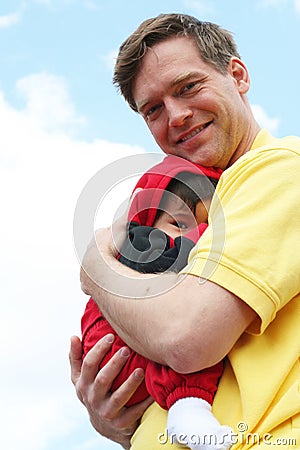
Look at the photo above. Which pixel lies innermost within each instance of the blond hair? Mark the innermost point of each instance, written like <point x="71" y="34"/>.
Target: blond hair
<point x="216" y="46"/>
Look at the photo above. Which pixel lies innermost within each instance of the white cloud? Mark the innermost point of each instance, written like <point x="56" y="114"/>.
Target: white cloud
<point x="90" y="4"/>
<point x="96" y="443"/>
<point x="51" y="2"/>
<point x="41" y="176"/>
<point x="297" y="6"/>
<point x="110" y="59"/>
<point x="9" y="20"/>
<point x="270" y="123"/>
<point x="280" y="4"/>
<point x="43" y="2"/>
<point x="201" y="7"/>
<point x="48" y="103"/>
<point x="274" y="3"/>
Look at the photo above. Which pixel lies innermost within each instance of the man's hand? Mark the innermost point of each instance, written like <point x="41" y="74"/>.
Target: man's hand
<point x="99" y="266"/>
<point x="107" y="410"/>
<point x="102" y="271"/>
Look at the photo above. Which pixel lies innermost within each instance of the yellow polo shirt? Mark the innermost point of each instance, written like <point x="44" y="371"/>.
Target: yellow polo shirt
<point x="252" y="248"/>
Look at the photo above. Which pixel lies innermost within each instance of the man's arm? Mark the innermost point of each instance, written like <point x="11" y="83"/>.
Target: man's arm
<point x="167" y="317"/>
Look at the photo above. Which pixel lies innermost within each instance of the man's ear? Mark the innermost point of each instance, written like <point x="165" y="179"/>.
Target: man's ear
<point x="239" y="72"/>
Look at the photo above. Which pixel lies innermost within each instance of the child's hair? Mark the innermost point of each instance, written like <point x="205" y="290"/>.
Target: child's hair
<point x="190" y="188"/>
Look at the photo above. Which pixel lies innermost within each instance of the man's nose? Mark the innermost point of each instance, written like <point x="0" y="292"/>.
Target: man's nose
<point x="178" y="112"/>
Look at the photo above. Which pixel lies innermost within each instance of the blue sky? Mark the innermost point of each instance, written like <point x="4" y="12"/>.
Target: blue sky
<point x="61" y="121"/>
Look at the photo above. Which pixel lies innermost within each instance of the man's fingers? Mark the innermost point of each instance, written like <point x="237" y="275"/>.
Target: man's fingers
<point x="90" y="365"/>
<point x="134" y="413"/>
<point x="110" y="371"/>
<point x="118" y="227"/>
<point x="121" y="396"/>
<point x="75" y="357"/>
<point x="118" y="231"/>
<point x="107" y="410"/>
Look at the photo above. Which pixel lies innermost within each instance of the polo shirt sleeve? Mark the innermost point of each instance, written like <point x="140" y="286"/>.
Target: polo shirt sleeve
<point x="252" y="244"/>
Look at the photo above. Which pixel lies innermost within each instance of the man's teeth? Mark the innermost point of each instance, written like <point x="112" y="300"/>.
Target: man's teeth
<point x="192" y="134"/>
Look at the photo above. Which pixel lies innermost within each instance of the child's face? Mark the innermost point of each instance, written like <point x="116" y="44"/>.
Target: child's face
<point x="177" y="221"/>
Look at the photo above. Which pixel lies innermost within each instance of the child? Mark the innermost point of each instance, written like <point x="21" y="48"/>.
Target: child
<point x="165" y="220"/>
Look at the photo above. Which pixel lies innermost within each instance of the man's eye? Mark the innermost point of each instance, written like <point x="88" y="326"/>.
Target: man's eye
<point x="189" y="86"/>
<point x="192" y="87"/>
<point x="151" y="111"/>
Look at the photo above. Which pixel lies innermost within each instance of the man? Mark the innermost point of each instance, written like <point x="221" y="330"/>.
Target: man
<point x="188" y="82"/>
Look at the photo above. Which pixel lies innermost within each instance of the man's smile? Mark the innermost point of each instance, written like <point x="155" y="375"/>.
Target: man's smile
<point x="191" y="134"/>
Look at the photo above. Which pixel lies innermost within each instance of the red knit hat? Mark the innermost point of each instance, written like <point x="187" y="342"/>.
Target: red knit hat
<point x="155" y="181"/>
